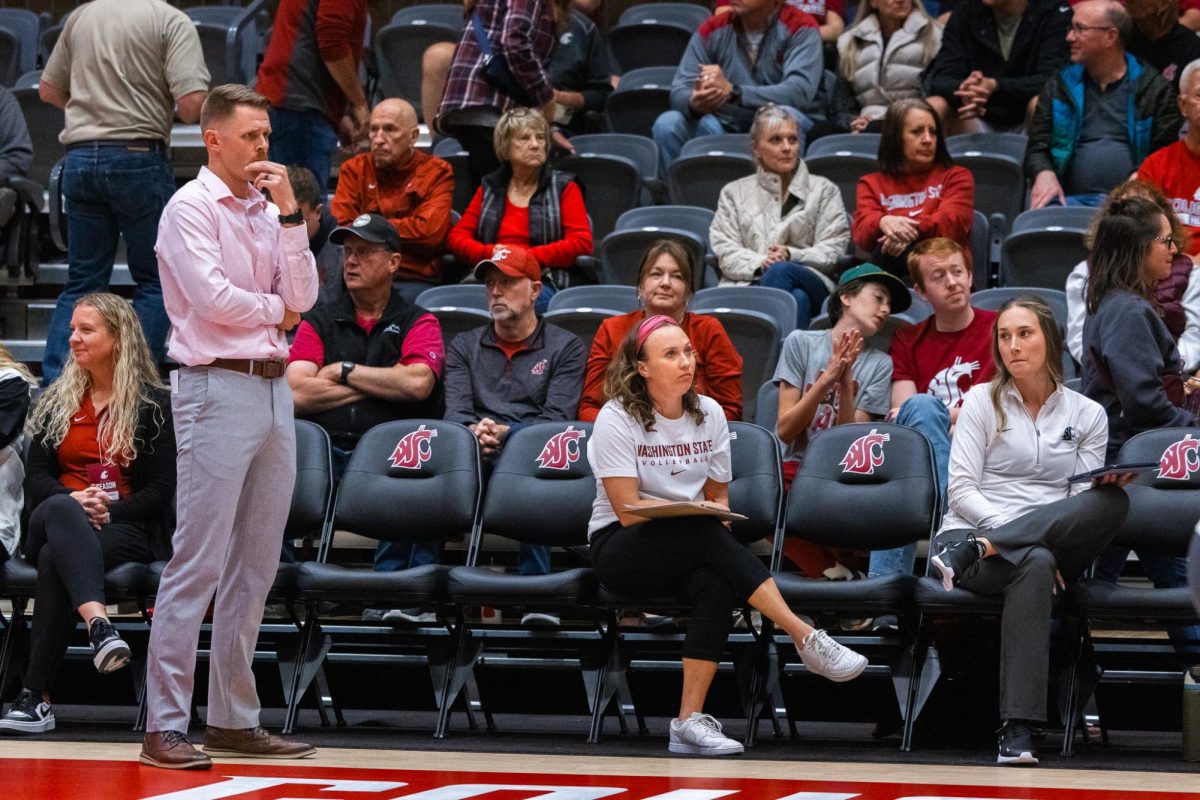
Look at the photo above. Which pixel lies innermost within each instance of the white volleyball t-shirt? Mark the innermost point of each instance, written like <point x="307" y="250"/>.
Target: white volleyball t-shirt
<point x="671" y="462"/>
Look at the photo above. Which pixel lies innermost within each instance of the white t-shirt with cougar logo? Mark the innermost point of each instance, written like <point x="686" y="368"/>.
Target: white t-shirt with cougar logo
<point x="671" y="462"/>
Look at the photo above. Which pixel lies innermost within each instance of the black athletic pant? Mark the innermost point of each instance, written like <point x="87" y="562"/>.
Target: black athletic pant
<point x="695" y="559"/>
<point x="1066" y="536"/>
<point x="71" y="558"/>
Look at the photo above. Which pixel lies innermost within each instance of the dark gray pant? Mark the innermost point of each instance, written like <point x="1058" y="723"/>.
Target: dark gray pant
<point x="1067" y="536"/>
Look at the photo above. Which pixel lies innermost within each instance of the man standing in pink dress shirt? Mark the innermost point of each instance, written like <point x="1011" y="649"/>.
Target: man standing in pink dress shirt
<point x="236" y="273"/>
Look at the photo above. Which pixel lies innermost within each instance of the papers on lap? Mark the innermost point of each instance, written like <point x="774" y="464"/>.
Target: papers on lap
<point x="659" y="509"/>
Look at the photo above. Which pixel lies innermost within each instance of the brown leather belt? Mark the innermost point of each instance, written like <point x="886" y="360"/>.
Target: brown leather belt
<point x="263" y="369"/>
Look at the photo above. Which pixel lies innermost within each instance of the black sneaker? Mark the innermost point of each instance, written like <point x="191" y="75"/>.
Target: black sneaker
<point x="28" y="715"/>
<point x="958" y="560"/>
<point x="1016" y="743"/>
<point x="109" y="651"/>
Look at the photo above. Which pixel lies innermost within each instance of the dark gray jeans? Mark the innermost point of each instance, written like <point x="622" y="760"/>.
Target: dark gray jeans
<point x="1066" y="536"/>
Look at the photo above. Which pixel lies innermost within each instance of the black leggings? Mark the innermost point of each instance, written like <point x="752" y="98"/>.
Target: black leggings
<point x="71" y="558"/>
<point x="694" y="559"/>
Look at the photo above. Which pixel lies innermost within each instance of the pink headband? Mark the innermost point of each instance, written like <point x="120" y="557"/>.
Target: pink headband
<point x="649" y="325"/>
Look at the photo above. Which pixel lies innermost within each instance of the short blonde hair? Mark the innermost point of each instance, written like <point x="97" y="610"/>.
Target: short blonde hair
<point x="514" y="121"/>
<point x="223" y="100"/>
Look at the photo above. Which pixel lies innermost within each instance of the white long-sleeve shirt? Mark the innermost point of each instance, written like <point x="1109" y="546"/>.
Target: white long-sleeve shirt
<point x="995" y="478"/>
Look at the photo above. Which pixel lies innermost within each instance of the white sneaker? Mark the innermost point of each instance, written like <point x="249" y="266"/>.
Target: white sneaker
<point x="409" y="615"/>
<point x="823" y="656"/>
<point x="28" y="715"/>
<point x="700" y="734"/>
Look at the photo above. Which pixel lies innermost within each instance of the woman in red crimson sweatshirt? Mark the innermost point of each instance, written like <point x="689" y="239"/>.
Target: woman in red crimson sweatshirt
<point x="524" y="203"/>
<point x="918" y="192"/>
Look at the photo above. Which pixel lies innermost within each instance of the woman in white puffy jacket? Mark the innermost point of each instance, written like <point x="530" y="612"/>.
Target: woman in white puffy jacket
<point x="781" y="226"/>
<point x="880" y="61"/>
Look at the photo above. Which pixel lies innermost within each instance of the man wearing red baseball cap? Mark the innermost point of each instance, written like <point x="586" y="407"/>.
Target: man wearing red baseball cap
<point x="516" y="371"/>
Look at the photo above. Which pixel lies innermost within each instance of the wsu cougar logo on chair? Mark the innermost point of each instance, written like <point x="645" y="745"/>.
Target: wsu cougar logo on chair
<point x="414" y="449"/>
<point x="865" y="453"/>
<point x="561" y="450"/>
<point x="1180" y="459"/>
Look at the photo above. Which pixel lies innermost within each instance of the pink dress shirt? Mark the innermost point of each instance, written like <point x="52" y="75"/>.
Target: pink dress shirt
<point x="228" y="268"/>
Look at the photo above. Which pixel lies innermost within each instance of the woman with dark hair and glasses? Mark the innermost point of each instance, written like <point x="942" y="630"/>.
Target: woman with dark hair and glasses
<point x="918" y="192"/>
<point x="1131" y="365"/>
<point x="1015" y="526"/>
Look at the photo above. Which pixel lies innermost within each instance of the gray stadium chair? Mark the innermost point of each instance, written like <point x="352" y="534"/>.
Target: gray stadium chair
<point x="775" y="303"/>
<point x="999" y="181"/>
<point x="1043" y="246"/>
<point x="641" y="150"/>
<point x="637" y="101"/>
<point x="448" y="15"/>
<point x="611" y="186"/>
<point x="621" y="299"/>
<point x="25" y="27"/>
<point x="845" y="144"/>
<point x="400" y="46"/>
<point x="992" y="299"/>
<point x="688" y="16"/>
<point x="583" y="322"/>
<point x="647" y="44"/>
<point x="757" y="337"/>
<point x="766" y="406"/>
<point x="453" y="153"/>
<point x="621" y="253"/>
<point x="737" y="144"/>
<point x="10" y="57"/>
<point x="229" y="38"/>
<point x="697" y="180"/>
<point x="45" y="122"/>
<point x="844" y="169"/>
<point x="457" y="295"/>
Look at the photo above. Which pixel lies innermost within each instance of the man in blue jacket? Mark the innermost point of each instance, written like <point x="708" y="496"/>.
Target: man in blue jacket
<point x="764" y="51"/>
<point x="1097" y="119"/>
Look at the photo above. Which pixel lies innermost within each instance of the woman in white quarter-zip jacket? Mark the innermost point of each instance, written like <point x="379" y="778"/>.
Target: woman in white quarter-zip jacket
<point x="782" y="226"/>
<point x="1016" y="527"/>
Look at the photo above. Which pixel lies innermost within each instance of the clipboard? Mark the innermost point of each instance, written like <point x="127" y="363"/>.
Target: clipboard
<point x="1114" y="469"/>
<point x="683" y="508"/>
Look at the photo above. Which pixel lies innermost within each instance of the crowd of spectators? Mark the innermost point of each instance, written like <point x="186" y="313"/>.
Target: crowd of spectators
<point x="1105" y="92"/>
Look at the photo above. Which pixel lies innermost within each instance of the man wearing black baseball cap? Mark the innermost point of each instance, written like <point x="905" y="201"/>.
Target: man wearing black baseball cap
<point x="831" y="377"/>
<point x="368" y="356"/>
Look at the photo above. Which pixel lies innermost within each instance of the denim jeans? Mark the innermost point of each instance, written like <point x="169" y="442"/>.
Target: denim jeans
<point x="1165" y="572"/>
<point x="303" y="138"/>
<point x="111" y="191"/>
<point x="802" y="283"/>
<point x="929" y="415"/>
<point x="673" y="129"/>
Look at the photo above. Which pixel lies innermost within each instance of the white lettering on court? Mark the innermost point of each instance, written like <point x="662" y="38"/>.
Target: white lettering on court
<point x="233" y="786"/>
<point x="461" y="791"/>
<point x="821" y="796"/>
<point x="693" y="794"/>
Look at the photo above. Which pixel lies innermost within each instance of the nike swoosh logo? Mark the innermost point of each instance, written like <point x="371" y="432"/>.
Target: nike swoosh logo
<point x="79" y="419"/>
<point x="677" y="471"/>
<point x="370" y="186"/>
<point x="915" y="212"/>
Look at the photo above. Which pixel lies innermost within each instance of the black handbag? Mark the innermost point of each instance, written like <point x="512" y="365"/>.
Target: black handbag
<point x="495" y="67"/>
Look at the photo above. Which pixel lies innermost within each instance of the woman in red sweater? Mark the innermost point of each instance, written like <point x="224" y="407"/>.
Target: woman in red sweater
<point x="664" y="287"/>
<point x="525" y="203"/>
<point x="918" y="192"/>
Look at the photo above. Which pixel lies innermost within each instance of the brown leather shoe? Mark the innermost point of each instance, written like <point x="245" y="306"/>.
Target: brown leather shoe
<point x="172" y="750"/>
<point x="251" y="743"/>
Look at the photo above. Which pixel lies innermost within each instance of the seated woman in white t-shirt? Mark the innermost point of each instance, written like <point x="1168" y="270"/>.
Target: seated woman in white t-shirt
<point x="657" y="439"/>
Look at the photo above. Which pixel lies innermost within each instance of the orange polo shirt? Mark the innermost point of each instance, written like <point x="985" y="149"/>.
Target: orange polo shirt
<point x="81" y="447"/>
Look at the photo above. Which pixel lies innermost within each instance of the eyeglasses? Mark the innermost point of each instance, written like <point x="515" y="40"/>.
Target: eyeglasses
<point x="360" y="252"/>
<point x="1080" y="30"/>
<point x="1168" y="240"/>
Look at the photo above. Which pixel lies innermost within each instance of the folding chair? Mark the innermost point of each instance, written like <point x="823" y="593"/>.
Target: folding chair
<point x="867" y="486"/>
<point x="540" y="493"/>
<point x="756" y="491"/>
<point x="430" y="469"/>
<point x="1163" y="508"/>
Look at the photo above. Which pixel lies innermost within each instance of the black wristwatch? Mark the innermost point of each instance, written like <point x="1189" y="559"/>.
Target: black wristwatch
<point x="347" y="368"/>
<point x="294" y="218"/>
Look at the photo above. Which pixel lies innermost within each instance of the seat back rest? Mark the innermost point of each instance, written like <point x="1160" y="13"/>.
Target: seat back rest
<point x="542" y="487"/>
<point x="866" y="485"/>
<point x="314" y="482"/>
<point x="756" y="489"/>
<point x="411" y="480"/>
<point x="1164" y="504"/>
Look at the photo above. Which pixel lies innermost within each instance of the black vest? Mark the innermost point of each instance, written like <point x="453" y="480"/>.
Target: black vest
<point x="345" y="340"/>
